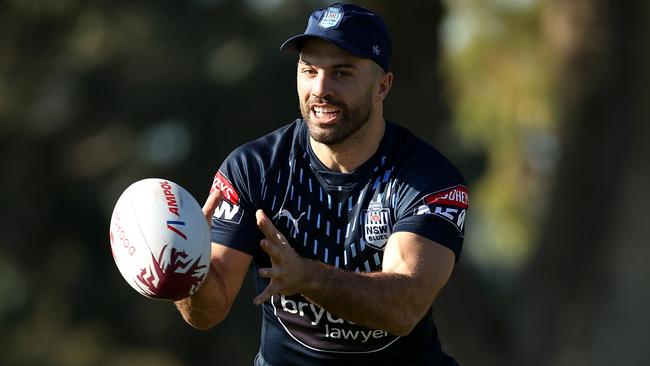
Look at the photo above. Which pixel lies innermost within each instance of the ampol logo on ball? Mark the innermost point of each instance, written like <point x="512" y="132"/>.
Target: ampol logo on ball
<point x="172" y="206"/>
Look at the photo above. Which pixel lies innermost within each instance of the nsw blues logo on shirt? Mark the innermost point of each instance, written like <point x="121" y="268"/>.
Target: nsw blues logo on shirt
<point x="376" y="225"/>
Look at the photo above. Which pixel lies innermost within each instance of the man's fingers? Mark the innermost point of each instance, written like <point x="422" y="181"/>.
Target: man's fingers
<point x="264" y="224"/>
<point x="267" y="227"/>
<point x="214" y="199"/>
<point x="269" y="272"/>
<point x="270" y="248"/>
<point x="269" y="291"/>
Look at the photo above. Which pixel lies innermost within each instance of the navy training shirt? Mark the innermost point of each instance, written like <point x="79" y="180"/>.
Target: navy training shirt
<point x="344" y="220"/>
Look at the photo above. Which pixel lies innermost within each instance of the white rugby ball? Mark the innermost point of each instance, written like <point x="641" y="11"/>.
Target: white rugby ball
<point x="160" y="239"/>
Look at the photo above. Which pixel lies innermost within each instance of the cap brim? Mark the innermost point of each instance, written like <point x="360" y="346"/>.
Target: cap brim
<point x="295" y="44"/>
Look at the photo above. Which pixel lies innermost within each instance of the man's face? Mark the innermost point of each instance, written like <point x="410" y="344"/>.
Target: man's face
<point x="336" y="91"/>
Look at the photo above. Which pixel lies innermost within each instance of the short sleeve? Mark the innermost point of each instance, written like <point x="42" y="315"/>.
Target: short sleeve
<point x="434" y="204"/>
<point x="233" y="222"/>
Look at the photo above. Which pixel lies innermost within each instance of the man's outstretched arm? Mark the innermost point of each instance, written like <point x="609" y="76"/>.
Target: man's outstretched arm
<point x="414" y="270"/>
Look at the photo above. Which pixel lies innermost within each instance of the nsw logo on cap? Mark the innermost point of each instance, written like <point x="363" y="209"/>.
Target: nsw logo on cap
<point x="331" y="17"/>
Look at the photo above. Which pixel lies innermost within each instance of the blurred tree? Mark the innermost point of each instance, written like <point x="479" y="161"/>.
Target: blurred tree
<point x="501" y="102"/>
<point x="585" y="297"/>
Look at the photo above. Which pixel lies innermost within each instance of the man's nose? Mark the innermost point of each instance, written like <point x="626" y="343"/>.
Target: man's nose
<point x="322" y="86"/>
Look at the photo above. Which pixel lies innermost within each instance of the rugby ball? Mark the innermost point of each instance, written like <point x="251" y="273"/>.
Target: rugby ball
<point x="160" y="239"/>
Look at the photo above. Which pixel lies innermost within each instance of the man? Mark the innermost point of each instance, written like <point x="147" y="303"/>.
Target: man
<point x="352" y="224"/>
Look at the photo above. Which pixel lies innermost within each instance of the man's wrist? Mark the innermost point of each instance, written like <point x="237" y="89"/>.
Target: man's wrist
<point x="318" y="278"/>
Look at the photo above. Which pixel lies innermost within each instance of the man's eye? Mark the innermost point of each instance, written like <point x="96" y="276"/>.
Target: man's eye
<point x="342" y="74"/>
<point x="309" y="71"/>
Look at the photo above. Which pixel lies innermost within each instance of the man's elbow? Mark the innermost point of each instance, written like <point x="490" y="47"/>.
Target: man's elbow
<point x="202" y="318"/>
<point x="204" y="323"/>
<point x="404" y="325"/>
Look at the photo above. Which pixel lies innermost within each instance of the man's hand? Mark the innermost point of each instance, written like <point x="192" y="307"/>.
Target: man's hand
<point x="287" y="266"/>
<point x="211" y="204"/>
<point x="414" y="269"/>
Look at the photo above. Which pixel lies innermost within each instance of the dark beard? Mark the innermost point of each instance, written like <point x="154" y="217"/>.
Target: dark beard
<point x="352" y="119"/>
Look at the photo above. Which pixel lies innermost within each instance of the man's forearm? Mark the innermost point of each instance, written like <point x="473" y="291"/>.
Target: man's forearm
<point x="208" y="306"/>
<point x="378" y="300"/>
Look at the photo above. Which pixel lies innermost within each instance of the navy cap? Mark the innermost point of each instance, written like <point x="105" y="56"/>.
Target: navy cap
<point x="351" y="27"/>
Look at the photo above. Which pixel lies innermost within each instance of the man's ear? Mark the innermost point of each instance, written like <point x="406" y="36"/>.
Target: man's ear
<point x="385" y="83"/>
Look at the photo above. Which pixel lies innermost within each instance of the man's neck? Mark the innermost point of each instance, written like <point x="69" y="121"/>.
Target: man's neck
<point x="354" y="151"/>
